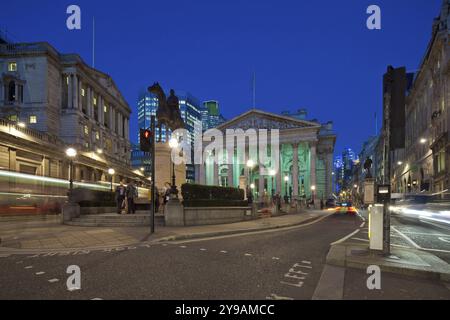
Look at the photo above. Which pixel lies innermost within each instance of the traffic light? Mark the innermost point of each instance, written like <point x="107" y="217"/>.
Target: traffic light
<point x="146" y="140"/>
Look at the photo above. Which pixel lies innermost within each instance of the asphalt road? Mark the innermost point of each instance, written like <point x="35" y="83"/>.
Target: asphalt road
<point x="419" y="235"/>
<point x="285" y="264"/>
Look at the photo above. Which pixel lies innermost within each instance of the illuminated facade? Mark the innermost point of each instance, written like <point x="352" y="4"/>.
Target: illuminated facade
<point x="305" y="163"/>
<point x="51" y="101"/>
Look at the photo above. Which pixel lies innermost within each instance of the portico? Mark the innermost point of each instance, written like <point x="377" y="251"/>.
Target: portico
<point x="299" y="165"/>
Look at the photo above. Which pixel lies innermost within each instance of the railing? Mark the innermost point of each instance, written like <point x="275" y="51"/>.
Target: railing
<point x="44" y="137"/>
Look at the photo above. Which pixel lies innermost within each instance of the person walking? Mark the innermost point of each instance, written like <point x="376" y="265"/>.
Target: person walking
<point x="120" y="197"/>
<point x="131" y="194"/>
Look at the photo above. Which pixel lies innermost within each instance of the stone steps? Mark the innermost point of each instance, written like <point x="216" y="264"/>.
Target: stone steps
<point x="115" y="220"/>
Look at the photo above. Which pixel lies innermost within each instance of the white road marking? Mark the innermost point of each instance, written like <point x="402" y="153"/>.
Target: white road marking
<point x="202" y="249"/>
<point x="346" y="237"/>
<point x="53" y="280"/>
<point x="443" y="239"/>
<point x="251" y="233"/>
<point x="359" y="239"/>
<point x="39" y="273"/>
<point x="306" y="262"/>
<point x="275" y="258"/>
<point x="223" y="251"/>
<point x="362" y="224"/>
<point x="426" y="234"/>
<point x="164" y="245"/>
<point x="97" y="299"/>
<point x="435" y="250"/>
<point x="29" y="267"/>
<point x="273" y="296"/>
<point x="406" y="238"/>
<point x="183" y="247"/>
<point x="248" y="254"/>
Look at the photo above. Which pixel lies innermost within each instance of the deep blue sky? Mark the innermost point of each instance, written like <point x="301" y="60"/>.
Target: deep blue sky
<point x="313" y="54"/>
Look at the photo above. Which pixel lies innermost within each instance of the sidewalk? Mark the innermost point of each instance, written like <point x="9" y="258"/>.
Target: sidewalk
<point x="32" y="236"/>
<point x="403" y="273"/>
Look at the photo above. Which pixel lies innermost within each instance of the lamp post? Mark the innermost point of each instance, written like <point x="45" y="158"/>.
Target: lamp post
<point x="286" y="197"/>
<point x="313" y="188"/>
<point x="111" y="172"/>
<point x="71" y="153"/>
<point x="250" y="165"/>
<point x="272" y="173"/>
<point x="173" y="143"/>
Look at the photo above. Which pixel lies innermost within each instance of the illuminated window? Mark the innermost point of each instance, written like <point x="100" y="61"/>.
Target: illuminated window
<point x="83" y="92"/>
<point x="33" y="119"/>
<point x="13" y="117"/>
<point x="67" y="80"/>
<point x="97" y="135"/>
<point x="86" y="130"/>
<point x="105" y="109"/>
<point x="12" y="66"/>
<point x="95" y="101"/>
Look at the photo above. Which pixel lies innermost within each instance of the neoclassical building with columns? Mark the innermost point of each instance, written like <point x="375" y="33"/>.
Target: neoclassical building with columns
<point x="302" y="170"/>
<point x="50" y="101"/>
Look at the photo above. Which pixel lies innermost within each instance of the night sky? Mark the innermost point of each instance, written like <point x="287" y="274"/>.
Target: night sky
<point x="313" y="54"/>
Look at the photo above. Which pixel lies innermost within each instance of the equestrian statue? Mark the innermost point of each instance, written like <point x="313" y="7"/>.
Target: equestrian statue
<point x="168" y="112"/>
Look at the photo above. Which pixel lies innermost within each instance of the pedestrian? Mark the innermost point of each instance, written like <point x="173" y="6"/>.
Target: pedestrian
<point x="131" y="194"/>
<point x="156" y="200"/>
<point x="120" y="197"/>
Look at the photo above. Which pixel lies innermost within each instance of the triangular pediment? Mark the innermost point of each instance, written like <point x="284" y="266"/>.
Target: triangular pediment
<point x="258" y="119"/>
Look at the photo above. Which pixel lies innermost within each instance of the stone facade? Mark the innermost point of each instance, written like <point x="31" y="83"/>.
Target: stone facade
<point x="51" y="101"/>
<point x="425" y="164"/>
<point x="306" y="159"/>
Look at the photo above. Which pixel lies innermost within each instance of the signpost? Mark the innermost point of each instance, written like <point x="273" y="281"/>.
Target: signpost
<point x="384" y="196"/>
<point x="147" y="144"/>
<point x="152" y="159"/>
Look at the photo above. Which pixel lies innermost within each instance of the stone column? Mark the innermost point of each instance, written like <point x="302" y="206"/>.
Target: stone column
<point x="261" y="183"/>
<point x="70" y="91"/>
<point x="295" y="171"/>
<point x="313" y="156"/>
<point x="278" y="181"/>
<point x="76" y="91"/>
<point x="216" y="173"/>
<point x="100" y="109"/>
<point x="112" y="118"/>
<point x="79" y="99"/>
<point x="329" y="173"/>
<point x="230" y="175"/>
<point x="201" y="173"/>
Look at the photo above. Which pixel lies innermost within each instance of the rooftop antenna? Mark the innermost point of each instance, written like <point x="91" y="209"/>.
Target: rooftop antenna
<point x="93" y="42"/>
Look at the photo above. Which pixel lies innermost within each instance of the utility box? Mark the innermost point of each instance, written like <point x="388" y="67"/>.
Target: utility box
<point x="376" y="226"/>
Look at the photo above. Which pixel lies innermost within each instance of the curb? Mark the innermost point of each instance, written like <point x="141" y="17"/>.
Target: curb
<point x="5" y="251"/>
<point x="232" y="232"/>
<point x="337" y="256"/>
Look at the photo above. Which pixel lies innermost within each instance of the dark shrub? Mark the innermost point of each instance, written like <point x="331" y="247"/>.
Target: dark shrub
<point x="191" y="191"/>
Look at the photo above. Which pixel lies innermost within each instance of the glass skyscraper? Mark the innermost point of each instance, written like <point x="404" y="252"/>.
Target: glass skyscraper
<point x="211" y="117"/>
<point x="191" y="113"/>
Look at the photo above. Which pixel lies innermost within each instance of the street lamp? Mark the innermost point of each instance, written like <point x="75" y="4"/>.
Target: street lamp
<point x="423" y="140"/>
<point x="71" y="153"/>
<point x="173" y="144"/>
<point x="250" y="165"/>
<point x="286" y="197"/>
<point x="111" y="172"/>
<point x="313" y="188"/>
<point x="272" y="173"/>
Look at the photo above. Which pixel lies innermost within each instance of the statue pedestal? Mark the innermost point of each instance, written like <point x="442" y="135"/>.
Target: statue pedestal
<point x="174" y="213"/>
<point x="163" y="167"/>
